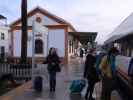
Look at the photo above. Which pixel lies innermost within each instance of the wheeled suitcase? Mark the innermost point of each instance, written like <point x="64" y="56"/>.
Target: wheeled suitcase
<point x="38" y="83"/>
<point x="77" y="86"/>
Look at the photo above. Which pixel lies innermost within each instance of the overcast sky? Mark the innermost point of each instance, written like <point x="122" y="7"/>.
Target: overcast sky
<point x="101" y="16"/>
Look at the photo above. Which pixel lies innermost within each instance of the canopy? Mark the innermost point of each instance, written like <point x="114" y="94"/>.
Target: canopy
<point x="124" y="29"/>
<point x="85" y="37"/>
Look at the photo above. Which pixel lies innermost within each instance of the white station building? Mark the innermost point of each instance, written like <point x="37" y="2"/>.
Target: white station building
<point x="58" y="31"/>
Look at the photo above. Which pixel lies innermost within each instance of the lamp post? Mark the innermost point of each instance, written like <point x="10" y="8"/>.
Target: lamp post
<point x="24" y="31"/>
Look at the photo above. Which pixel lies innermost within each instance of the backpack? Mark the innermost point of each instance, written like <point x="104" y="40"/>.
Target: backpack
<point x="105" y="67"/>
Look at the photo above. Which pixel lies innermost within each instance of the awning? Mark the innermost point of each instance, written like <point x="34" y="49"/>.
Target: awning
<point x="85" y="37"/>
<point x="117" y="37"/>
<point x="123" y="30"/>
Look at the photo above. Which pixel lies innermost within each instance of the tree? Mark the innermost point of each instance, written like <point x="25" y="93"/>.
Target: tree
<point x="24" y="31"/>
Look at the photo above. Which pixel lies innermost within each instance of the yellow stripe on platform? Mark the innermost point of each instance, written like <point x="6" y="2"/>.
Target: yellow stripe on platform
<point x="15" y="92"/>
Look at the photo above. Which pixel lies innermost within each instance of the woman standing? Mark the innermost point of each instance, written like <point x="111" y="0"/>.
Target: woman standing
<point x="53" y="66"/>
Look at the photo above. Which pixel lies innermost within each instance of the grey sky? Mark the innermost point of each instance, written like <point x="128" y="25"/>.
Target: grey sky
<point x="85" y="15"/>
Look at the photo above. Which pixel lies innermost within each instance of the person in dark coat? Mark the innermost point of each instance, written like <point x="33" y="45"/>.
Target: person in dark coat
<point x="90" y="74"/>
<point x="81" y="55"/>
<point x="81" y="52"/>
<point x="53" y="66"/>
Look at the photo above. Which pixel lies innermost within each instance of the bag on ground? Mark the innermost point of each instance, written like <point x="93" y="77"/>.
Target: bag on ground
<point x="97" y="90"/>
<point x="77" y="86"/>
<point x="38" y="83"/>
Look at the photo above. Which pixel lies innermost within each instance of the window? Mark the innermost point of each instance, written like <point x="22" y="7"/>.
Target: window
<point x="2" y="51"/>
<point x="38" y="46"/>
<point x="70" y="46"/>
<point x="2" y="36"/>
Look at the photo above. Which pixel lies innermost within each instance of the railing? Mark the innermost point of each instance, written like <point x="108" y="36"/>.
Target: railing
<point x="20" y="72"/>
<point x="4" y="69"/>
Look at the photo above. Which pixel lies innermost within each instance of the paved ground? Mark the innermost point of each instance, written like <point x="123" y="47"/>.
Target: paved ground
<point x="73" y="71"/>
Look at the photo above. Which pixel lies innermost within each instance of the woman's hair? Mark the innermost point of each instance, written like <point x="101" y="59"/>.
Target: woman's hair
<point x="55" y="52"/>
<point x="113" y="50"/>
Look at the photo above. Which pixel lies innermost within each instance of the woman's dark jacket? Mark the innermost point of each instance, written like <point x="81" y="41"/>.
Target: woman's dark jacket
<point x="90" y="70"/>
<point x="53" y="62"/>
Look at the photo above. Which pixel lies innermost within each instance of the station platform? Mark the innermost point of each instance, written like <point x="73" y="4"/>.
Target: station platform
<point x="72" y="71"/>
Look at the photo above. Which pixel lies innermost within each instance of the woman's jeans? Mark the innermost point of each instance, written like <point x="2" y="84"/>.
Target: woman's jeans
<point x="52" y="80"/>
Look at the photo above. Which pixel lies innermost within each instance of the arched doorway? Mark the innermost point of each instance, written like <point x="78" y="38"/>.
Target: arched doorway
<point x="38" y="46"/>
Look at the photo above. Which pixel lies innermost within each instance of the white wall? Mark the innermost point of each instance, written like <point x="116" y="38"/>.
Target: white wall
<point x="48" y="21"/>
<point x="45" y="20"/>
<point x="57" y="40"/>
<point x="29" y="45"/>
<point x="4" y="42"/>
<point x="17" y="43"/>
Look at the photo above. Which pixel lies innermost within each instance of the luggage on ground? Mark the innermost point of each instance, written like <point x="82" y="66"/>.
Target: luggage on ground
<point x="38" y="83"/>
<point x="97" y="90"/>
<point x="77" y="86"/>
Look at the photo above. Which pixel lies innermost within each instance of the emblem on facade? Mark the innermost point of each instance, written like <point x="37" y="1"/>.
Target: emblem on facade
<point x="38" y="19"/>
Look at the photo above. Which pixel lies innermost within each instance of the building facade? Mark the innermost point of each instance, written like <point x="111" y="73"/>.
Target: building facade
<point x="58" y="30"/>
<point x="79" y="40"/>
<point x="4" y="39"/>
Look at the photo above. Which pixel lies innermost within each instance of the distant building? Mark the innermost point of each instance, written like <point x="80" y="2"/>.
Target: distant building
<point x="77" y="40"/>
<point x="4" y="38"/>
<point x="58" y="35"/>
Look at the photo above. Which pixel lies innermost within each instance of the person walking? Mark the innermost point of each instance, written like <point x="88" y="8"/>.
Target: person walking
<point x="108" y="71"/>
<point x="90" y="74"/>
<point x="53" y="67"/>
<point x="81" y="55"/>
